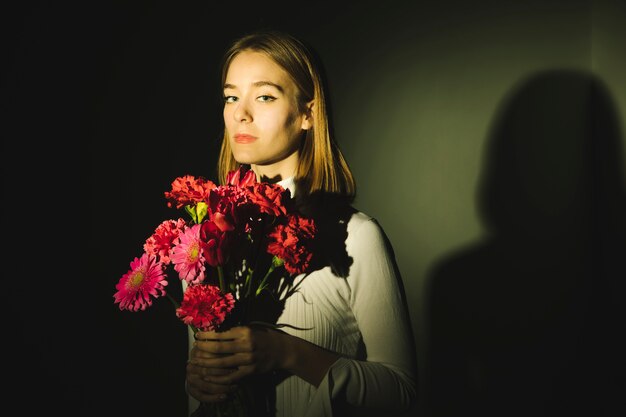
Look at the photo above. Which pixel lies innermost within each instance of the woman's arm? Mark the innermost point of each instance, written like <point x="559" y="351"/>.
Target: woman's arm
<point x="252" y="350"/>
<point x="386" y="379"/>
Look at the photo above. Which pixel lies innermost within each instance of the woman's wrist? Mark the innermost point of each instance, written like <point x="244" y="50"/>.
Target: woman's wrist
<point x="304" y="359"/>
<point x="288" y="356"/>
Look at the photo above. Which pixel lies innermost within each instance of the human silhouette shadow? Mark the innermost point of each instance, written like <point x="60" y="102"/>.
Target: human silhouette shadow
<point x="529" y="321"/>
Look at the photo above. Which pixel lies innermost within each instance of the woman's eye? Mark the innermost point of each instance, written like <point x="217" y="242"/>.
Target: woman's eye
<point x="230" y="99"/>
<point x="266" y="98"/>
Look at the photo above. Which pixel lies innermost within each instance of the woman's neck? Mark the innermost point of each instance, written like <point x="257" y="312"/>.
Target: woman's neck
<point x="277" y="171"/>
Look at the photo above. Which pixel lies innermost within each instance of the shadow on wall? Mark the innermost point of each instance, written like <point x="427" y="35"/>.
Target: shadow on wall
<point x="529" y="321"/>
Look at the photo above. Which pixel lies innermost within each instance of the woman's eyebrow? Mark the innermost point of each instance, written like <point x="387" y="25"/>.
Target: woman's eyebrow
<point x="258" y="84"/>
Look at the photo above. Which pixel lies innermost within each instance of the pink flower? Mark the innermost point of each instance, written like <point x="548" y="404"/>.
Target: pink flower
<point x="204" y="307"/>
<point x="188" y="190"/>
<point x="293" y="243"/>
<point x="187" y="255"/>
<point x="163" y="238"/>
<point x="144" y="280"/>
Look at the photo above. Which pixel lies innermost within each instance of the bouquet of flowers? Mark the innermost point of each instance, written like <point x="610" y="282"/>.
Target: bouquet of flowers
<point x="242" y="242"/>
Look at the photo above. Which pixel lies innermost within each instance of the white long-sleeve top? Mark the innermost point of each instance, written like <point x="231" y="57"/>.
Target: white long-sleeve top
<point x="362" y="318"/>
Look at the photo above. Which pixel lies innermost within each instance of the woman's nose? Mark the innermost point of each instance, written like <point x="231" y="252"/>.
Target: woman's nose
<point x="242" y="112"/>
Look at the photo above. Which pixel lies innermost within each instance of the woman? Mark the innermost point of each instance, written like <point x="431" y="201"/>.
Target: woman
<point x="347" y="348"/>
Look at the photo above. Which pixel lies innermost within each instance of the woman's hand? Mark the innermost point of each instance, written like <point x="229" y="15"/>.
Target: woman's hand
<point x="199" y="382"/>
<point x="221" y="359"/>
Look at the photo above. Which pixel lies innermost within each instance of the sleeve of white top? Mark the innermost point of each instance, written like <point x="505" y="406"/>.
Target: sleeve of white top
<point x="386" y="380"/>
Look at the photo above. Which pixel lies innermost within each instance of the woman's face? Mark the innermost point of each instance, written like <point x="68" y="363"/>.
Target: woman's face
<point x="261" y="115"/>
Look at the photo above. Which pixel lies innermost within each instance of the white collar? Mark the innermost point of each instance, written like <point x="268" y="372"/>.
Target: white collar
<point x="289" y="184"/>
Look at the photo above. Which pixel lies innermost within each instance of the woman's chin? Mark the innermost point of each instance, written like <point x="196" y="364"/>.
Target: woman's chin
<point x="245" y="159"/>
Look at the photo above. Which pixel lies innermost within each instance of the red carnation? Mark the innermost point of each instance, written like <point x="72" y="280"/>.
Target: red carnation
<point x="205" y="307"/>
<point x="293" y="243"/>
<point x="188" y="190"/>
<point x="269" y="198"/>
<point x="232" y="203"/>
<point x="163" y="239"/>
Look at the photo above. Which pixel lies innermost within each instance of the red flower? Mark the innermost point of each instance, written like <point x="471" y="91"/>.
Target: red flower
<point x="163" y="238"/>
<point x="269" y="198"/>
<point x="188" y="190"/>
<point x="232" y="209"/>
<point x="239" y="178"/>
<point x="205" y="307"/>
<point x="293" y="243"/>
<point x="214" y="239"/>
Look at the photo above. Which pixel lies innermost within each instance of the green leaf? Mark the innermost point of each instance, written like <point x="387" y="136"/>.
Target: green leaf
<point x="192" y="213"/>
<point x="276" y="262"/>
<point x="201" y="211"/>
<point x="197" y="212"/>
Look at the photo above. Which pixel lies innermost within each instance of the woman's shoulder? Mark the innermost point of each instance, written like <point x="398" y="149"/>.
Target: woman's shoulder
<point x="362" y="226"/>
<point x="358" y="219"/>
<point x="368" y="247"/>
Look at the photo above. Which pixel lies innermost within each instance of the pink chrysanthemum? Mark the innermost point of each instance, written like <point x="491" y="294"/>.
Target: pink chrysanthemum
<point x="163" y="238"/>
<point x="205" y="307"/>
<point x="145" y="280"/>
<point x="187" y="255"/>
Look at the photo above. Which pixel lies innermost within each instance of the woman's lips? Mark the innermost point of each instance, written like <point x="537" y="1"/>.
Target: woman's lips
<point x="244" y="138"/>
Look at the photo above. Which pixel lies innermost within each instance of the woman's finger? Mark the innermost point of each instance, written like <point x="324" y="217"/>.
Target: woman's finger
<point x="204" y="371"/>
<point x="230" y="378"/>
<point x="200" y="353"/>
<point x="229" y="361"/>
<point x="205" y="391"/>
<point x="230" y="334"/>
<point x="224" y="346"/>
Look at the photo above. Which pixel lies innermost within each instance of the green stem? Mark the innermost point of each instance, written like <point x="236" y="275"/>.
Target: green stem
<point x="269" y="271"/>
<point x="248" y="282"/>
<point x="176" y="303"/>
<point x="220" y="276"/>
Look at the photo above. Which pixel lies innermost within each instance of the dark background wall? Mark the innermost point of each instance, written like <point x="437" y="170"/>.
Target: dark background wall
<point x="486" y="137"/>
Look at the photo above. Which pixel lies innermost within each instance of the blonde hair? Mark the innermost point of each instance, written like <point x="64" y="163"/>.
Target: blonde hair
<point x="321" y="167"/>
